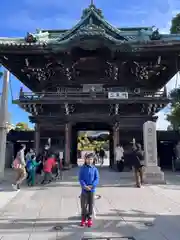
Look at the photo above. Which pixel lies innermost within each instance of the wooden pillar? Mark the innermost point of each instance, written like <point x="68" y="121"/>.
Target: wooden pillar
<point x="37" y="138"/>
<point x="67" y="144"/>
<point x="3" y="122"/>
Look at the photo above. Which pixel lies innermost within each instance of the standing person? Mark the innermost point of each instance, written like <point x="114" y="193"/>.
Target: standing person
<point x="19" y="165"/>
<point x="136" y="158"/>
<point x="48" y="165"/>
<point x="89" y="179"/>
<point x="101" y="156"/>
<point x="119" y="154"/>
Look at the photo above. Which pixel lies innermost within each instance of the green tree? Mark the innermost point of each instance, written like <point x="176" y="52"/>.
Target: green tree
<point x="170" y="128"/>
<point x="174" y="116"/>
<point x="175" y="24"/>
<point x="21" y="126"/>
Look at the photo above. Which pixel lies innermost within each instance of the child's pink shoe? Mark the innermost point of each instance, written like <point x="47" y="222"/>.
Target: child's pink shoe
<point x="83" y="222"/>
<point x="89" y="223"/>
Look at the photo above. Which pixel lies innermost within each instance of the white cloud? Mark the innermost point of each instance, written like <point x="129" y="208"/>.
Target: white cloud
<point x="15" y="22"/>
<point x="162" y="123"/>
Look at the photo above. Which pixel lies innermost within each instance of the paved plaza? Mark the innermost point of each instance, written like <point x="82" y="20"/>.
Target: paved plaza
<point x="152" y="212"/>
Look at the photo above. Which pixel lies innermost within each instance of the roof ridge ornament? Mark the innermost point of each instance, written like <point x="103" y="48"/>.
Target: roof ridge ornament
<point x="92" y="8"/>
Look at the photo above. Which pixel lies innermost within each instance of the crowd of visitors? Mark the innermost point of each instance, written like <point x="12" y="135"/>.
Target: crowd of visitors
<point x="30" y="165"/>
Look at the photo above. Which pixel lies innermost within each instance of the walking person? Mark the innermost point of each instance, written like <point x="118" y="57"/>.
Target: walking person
<point x="31" y="166"/>
<point x="136" y="156"/>
<point x="101" y="156"/>
<point x="119" y="155"/>
<point x="48" y="165"/>
<point x="89" y="179"/>
<point x="19" y="165"/>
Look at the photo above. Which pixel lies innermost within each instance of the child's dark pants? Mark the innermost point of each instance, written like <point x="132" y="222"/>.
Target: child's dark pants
<point x="47" y="177"/>
<point x="87" y="202"/>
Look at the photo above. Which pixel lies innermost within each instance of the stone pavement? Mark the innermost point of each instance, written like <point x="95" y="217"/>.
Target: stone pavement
<point x="6" y="193"/>
<point x="152" y="212"/>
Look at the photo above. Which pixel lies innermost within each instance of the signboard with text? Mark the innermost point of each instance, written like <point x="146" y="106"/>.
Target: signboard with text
<point x="117" y="95"/>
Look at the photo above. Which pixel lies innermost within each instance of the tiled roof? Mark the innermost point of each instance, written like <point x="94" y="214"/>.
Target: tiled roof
<point x="92" y="24"/>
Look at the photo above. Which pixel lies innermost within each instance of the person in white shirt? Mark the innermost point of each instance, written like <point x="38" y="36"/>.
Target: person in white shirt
<point x="119" y="156"/>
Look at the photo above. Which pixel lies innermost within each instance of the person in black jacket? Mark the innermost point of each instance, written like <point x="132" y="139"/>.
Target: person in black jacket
<point x="101" y="156"/>
<point x="138" y="166"/>
<point x="134" y="156"/>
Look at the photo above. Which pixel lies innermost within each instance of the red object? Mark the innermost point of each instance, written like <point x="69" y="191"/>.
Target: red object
<point x="89" y="223"/>
<point x="83" y="222"/>
<point x="49" y="164"/>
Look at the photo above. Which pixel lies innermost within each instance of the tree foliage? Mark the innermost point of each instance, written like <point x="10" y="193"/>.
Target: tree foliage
<point x="175" y="24"/>
<point x="86" y="143"/>
<point x="174" y="116"/>
<point x="22" y="126"/>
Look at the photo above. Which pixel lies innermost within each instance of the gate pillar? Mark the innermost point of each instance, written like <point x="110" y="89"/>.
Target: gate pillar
<point x="37" y="138"/>
<point x="68" y="128"/>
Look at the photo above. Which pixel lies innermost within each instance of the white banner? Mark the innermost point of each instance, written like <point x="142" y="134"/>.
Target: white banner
<point x="117" y="95"/>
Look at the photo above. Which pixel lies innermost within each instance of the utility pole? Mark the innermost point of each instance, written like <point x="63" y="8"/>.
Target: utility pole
<point x="3" y="121"/>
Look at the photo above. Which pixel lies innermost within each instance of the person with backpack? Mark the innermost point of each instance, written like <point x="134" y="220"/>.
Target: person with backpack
<point x="88" y="179"/>
<point x="31" y="166"/>
<point x="19" y="165"/>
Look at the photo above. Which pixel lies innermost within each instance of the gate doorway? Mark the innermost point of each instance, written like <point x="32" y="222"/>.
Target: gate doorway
<point x="79" y="127"/>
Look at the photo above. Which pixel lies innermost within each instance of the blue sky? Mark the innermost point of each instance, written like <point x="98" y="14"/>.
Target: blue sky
<point x="19" y="17"/>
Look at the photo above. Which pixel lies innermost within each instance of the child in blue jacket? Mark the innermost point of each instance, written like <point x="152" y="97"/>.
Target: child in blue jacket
<point x="31" y="166"/>
<point x="89" y="179"/>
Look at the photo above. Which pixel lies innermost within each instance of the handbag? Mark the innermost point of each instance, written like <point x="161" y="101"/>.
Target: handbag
<point x="16" y="163"/>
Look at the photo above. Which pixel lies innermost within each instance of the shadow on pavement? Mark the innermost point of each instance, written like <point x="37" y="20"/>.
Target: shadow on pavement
<point x="140" y="224"/>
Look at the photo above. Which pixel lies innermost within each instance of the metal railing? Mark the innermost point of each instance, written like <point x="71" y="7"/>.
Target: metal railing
<point x="77" y="95"/>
